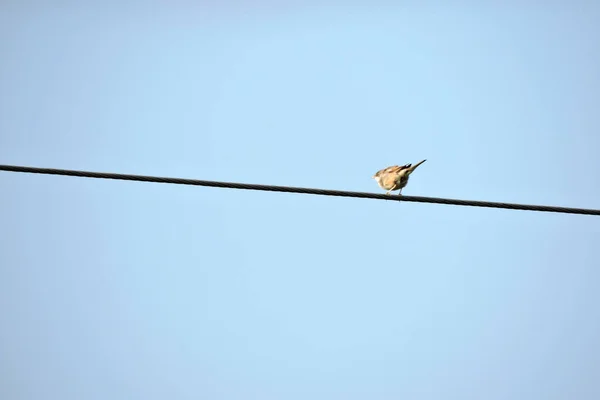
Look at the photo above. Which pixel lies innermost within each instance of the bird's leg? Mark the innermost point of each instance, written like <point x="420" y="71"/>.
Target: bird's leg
<point x="388" y="192"/>
<point x="400" y="192"/>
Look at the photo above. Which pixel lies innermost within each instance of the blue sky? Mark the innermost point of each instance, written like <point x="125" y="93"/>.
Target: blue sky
<point x="124" y="290"/>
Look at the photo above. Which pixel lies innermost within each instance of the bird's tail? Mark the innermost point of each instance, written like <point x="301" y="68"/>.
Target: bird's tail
<point x="416" y="165"/>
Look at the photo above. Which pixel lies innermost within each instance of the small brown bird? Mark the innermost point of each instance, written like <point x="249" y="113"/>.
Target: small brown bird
<point x="395" y="177"/>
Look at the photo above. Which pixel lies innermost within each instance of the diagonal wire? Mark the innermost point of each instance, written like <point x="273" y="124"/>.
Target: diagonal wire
<point x="289" y="189"/>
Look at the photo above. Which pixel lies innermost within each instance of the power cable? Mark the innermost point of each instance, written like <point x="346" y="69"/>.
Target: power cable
<point x="289" y="189"/>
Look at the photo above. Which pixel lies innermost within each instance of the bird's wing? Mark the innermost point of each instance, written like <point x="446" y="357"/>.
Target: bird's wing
<point x="394" y="169"/>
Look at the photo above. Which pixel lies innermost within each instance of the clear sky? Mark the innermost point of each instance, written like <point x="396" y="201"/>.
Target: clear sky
<point x="124" y="290"/>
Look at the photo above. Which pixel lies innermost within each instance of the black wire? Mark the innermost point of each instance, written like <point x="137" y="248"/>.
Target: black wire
<point x="288" y="189"/>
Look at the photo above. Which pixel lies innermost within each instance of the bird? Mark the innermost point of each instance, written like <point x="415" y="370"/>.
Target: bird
<point x="395" y="177"/>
